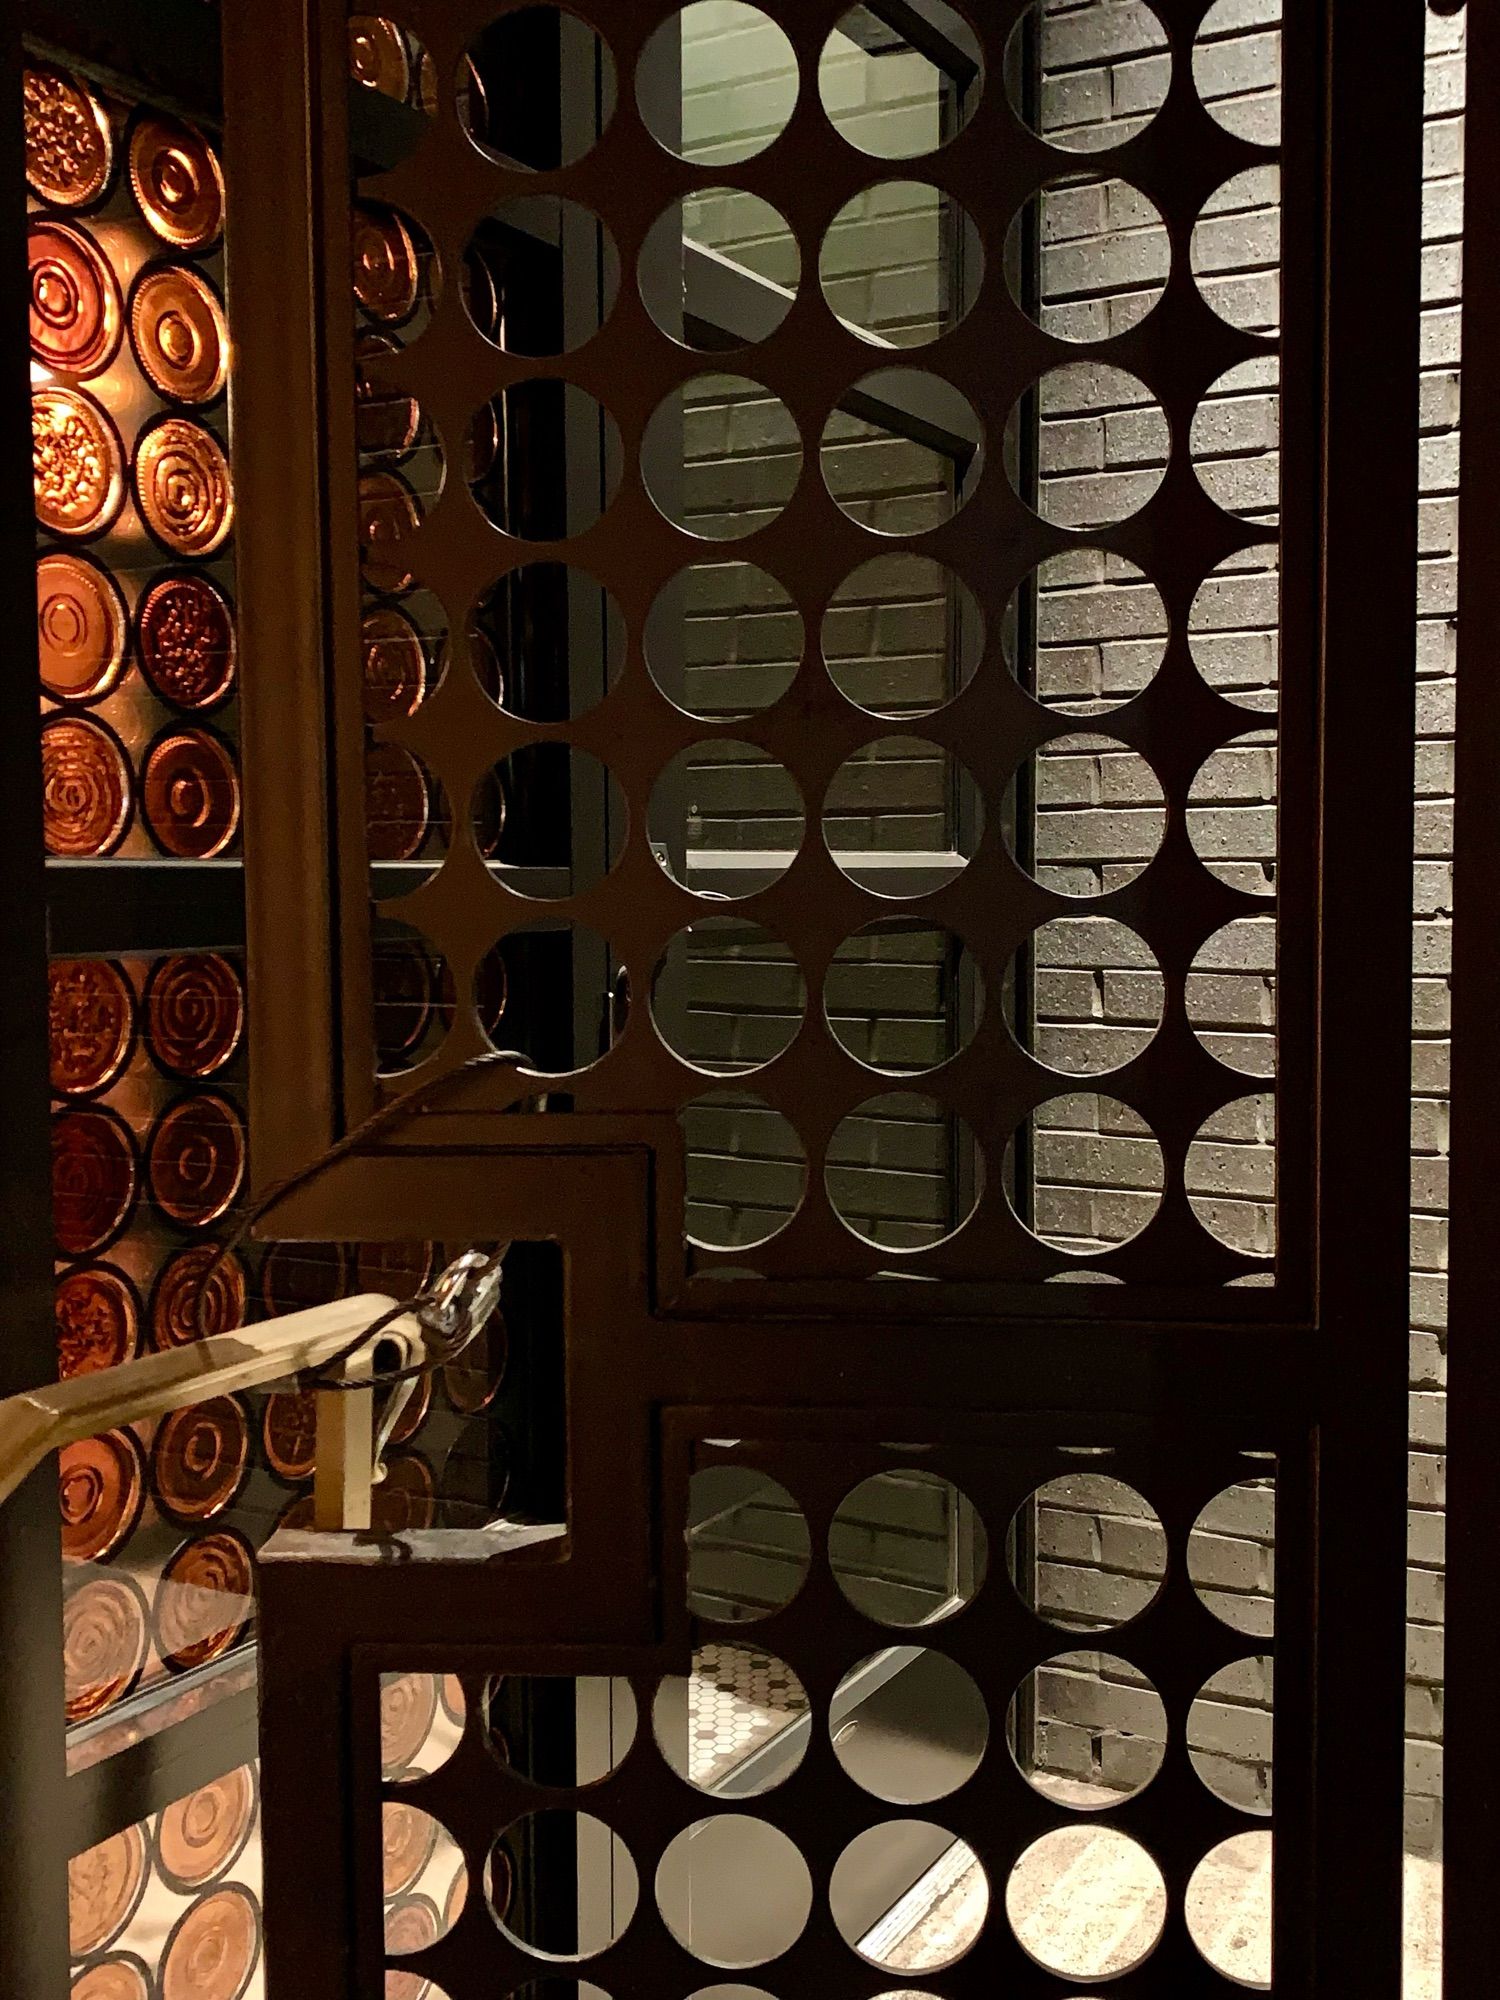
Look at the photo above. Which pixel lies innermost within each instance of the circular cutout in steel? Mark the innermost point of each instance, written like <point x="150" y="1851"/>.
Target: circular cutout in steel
<point x="516" y="119"/>
<point x="606" y="1892"/>
<point x="889" y="97"/>
<point x="683" y="251"/>
<point x="1086" y="1552"/>
<point x="763" y="61"/>
<point x="1087" y="1730"/>
<point x="714" y="1889"/>
<point x="731" y="1508"/>
<point x="1117" y="1902"/>
<point x="1107" y="67"/>
<point x="952" y="1874"/>
<point x="947" y="1557"/>
<point x="728" y="1727"/>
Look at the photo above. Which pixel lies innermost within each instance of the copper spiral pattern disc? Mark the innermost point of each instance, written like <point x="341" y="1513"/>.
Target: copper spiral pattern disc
<point x="178" y="331"/>
<point x="204" y="1600"/>
<point x="408" y="1709"/>
<point x="186" y="1295"/>
<point x="457" y="1896"/>
<point x="404" y="978"/>
<point x="473" y="1381"/>
<point x="397" y="1269"/>
<point x="90" y="1024"/>
<point x="185" y="636"/>
<point x="378" y="56"/>
<point x="414" y="1415"/>
<point x="191" y="794"/>
<point x="200" y="1836"/>
<point x="297" y="1275"/>
<point x="386" y="421"/>
<point x="408" y="1841"/>
<point x="289" y="1434"/>
<point x="77" y="463"/>
<point x="75" y="302"/>
<point x="86" y="792"/>
<point x="98" y="1320"/>
<point x="195" y="1159"/>
<point x="388" y="512"/>
<point x="409" y="1927"/>
<point x="182" y="486"/>
<point x="94" y="1179"/>
<point x="101" y="1484"/>
<point x="122" y="1977"/>
<point x="199" y="1458"/>
<point x="397" y="811"/>
<point x="452" y="1694"/>
<point x="214" y="1948"/>
<point x="385" y="264"/>
<point x="297" y="1514"/>
<point x="395" y="664"/>
<point x="104" y="1649"/>
<point x="81" y="627"/>
<point x="175" y="178"/>
<point x="105" y="1885"/>
<point x="195" y="1013"/>
<point x="70" y="153"/>
<point x="405" y="1498"/>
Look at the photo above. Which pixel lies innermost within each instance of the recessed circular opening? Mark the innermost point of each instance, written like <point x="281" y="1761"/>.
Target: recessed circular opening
<point x="728" y="1727"/>
<point x="892" y="99"/>
<point x="1235" y="441"/>
<point x="418" y="1734"/>
<point x="1116" y="1902"/>
<point x="902" y="635"/>
<point x="1086" y="1552"/>
<point x="944" y="1558"/>
<point x="1087" y="1730"/>
<point x="746" y="1170"/>
<point x="1229" y="1733"/>
<point x="1085" y="814"/>
<point x="734" y="1510"/>
<point x="1228" y="1908"/>
<point x="902" y="817"/>
<point x="1104" y="262"/>
<point x="516" y="444"/>
<point x="1231" y="996"/>
<point x="685" y="58"/>
<point x="1234" y="627"/>
<point x="541" y="275"/>
<point x="1097" y="994"/>
<point x="728" y="997"/>
<point x="724" y="640"/>
<point x="903" y="996"/>
<point x="560" y="1731"/>
<point x="725" y="819"/>
<point x="899" y="1941"/>
<point x="721" y="457"/>
<point x="903" y="452"/>
<point x="517" y="91"/>
<point x="1086" y="631"/>
<point x="563" y="1846"/>
<point x="1087" y="446"/>
<point x="1231" y="812"/>
<point x="1106" y="67"/>
<point x="1238" y="73"/>
<point x="1231" y="1557"/>
<point x="942" y="268"/>
<point x="903" y="1172"/>
<point x="1236" y="250"/>
<point x="880" y="1745"/>
<point x="681" y="264"/>
<point x="734" y="1890"/>
<point x="1230" y="1175"/>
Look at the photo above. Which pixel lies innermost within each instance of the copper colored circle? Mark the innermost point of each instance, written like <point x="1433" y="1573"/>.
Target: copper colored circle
<point x="77" y="463"/>
<point x="121" y="1977"/>
<point x="408" y="1709"/>
<point x="101" y="1483"/>
<point x="385" y="264"/>
<point x="400" y="1270"/>
<point x="195" y="1159"/>
<point x="199" y="1458"/>
<point x="185" y="636"/>
<point x="104" y="1648"/>
<point x="70" y="152"/>
<point x="409" y="1926"/>
<point x="90" y="1024"/>
<point x="404" y="1499"/>
<point x="86" y="789"/>
<point x="414" y="1415"/>
<point x="178" y="332"/>
<point x="397" y="810"/>
<point x="289" y="1433"/>
<point x="199" y="1837"/>
<point x="452" y="1694"/>
<point x="395" y="664"/>
<point x="457" y="1896"/>
<point x="378" y="56"/>
<point x="94" y="1179"/>
<point x="98" y="1320"/>
<point x="388" y="512"/>
<point x="213" y="1949"/>
<point x="81" y="627"/>
<point x="404" y="977"/>
<point x="297" y="1275"/>
<point x="386" y="420"/>
<point x="191" y="794"/>
<point x="408" y="1841"/>
<point x="195" y="1295"/>
<point x="204" y="1599"/>
<point x="182" y="486"/>
<point x="473" y="1381"/>
<point x="75" y="302"/>
<point x="175" y="178"/>
<point x="195" y="1013"/>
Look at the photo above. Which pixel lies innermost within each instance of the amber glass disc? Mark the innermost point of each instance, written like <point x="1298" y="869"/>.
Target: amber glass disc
<point x="204" y="1599"/>
<point x="199" y="1458"/>
<point x="195" y="1161"/>
<point x="385" y="264"/>
<point x="397" y="811"/>
<point x="94" y="1179"/>
<point x="69" y="150"/>
<point x="399" y="1270"/>
<point x="175" y="178"/>
<point x="378" y="56"/>
<point x="408" y="1709"/>
<point x="408" y="1839"/>
<point x="297" y="1275"/>
<point x="289" y="1434"/>
<point x="98" y="1320"/>
<point x="200" y="1836"/>
<point x="104" y="1649"/>
<point x="388" y="512"/>
<point x="81" y="627"/>
<point x="404" y="980"/>
<point x="185" y="636"/>
<point x="191" y="794"/>
<point x="90" y="1024"/>
<point x="214" y="1948"/>
<point x="182" y="486"/>
<point x="195" y="1013"/>
<point x="409" y="1927"/>
<point x="77" y="463"/>
<point x="75" y="301"/>
<point x="122" y="1976"/>
<point x="386" y="420"/>
<point x="395" y="664"/>
<point x="101" y="1483"/>
<point x="178" y="332"/>
<point x="195" y="1290"/>
<point x="86" y="791"/>
<point x="405" y="1498"/>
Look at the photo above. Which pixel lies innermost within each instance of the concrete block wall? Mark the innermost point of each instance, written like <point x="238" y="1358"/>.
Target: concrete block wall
<point x="1100" y="629"/>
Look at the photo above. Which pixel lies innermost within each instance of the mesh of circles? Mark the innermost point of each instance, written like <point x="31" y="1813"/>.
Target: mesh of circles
<point x="894" y="1750"/>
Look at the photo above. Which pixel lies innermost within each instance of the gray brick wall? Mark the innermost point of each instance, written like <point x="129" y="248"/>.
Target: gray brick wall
<point x="1099" y="628"/>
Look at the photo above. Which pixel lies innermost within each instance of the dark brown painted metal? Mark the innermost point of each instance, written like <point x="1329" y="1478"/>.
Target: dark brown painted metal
<point x="818" y="1362"/>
